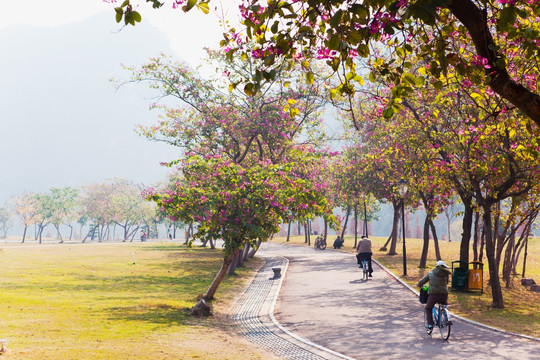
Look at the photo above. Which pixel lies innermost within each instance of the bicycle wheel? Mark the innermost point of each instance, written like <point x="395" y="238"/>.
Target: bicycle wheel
<point x="444" y="326"/>
<point x="365" y="269"/>
<point x="428" y="330"/>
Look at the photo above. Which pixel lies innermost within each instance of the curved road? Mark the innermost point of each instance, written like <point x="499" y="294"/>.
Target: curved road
<point x="324" y="300"/>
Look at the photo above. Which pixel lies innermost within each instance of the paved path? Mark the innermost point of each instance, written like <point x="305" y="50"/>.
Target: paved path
<point x="322" y="309"/>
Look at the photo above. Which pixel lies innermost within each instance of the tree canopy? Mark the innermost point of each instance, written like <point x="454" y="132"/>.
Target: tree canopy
<point x="504" y="36"/>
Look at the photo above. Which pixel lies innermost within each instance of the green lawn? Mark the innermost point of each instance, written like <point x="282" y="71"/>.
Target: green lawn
<point x="116" y="301"/>
<point x="521" y="313"/>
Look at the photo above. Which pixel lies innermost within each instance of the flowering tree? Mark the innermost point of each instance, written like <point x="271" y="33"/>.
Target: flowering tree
<point x="128" y="208"/>
<point x="350" y="191"/>
<point x="482" y="150"/>
<point x="25" y="206"/>
<point x="209" y="118"/>
<point x="232" y="141"/>
<point x="63" y="202"/>
<point x="504" y="34"/>
<point x="118" y="202"/>
<point x="234" y="203"/>
<point x="96" y="205"/>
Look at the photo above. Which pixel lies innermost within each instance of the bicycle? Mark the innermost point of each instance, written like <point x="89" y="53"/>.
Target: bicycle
<point x="441" y="317"/>
<point x="320" y="243"/>
<point x="365" y="274"/>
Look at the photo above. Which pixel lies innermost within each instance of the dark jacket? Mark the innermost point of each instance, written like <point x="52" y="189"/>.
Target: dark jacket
<point x="438" y="280"/>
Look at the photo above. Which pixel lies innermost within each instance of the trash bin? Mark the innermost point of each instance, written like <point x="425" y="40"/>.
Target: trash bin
<point x="476" y="276"/>
<point x="460" y="274"/>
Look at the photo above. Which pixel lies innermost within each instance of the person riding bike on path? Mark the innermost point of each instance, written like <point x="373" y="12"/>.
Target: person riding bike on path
<point x="363" y="251"/>
<point x="438" y="288"/>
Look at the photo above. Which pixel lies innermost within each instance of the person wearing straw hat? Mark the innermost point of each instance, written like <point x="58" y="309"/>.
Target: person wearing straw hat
<point x="438" y="288"/>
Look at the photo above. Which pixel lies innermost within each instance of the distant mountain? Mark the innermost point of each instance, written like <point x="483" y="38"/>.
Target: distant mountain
<point x="61" y="121"/>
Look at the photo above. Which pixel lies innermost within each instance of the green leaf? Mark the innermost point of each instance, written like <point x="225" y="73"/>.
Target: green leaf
<point x="409" y="78"/>
<point x="190" y="4"/>
<point x="359" y="10"/>
<point x="310" y="78"/>
<point x="248" y="89"/>
<point x="359" y="79"/>
<point x="136" y="17"/>
<point x="335" y="20"/>
<point x="274" y="27"/>
<point x="119" y="15"/>
<point x="388" y="113"/>
<point x="204" y="8"/>
<point x="334" y="63"/>
<point x="355" y="37"/>
<point x="363" y="50"/>
<point x="334" y="42"/>
<point x="507" y="17"/>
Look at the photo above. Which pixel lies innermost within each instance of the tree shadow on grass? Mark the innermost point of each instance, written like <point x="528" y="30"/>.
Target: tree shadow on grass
<point x="160" y="314"/>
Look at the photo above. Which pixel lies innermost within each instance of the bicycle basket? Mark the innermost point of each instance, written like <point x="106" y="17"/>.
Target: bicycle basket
<point x="423" y="296"/>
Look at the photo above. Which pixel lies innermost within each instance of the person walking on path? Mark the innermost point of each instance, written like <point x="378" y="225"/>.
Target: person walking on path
<point x="363" y="251"/>
<point x="438" y="288"/>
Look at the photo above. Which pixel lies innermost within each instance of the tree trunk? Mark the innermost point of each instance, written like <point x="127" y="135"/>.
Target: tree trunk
<point x="289" y="230"/>
<point x="525" y="257"/>
<point x="58" y="235"/>
<point x="496" y="291"/>
<point x="234" y="263"/>
<point x="507" y="263"/>
<point x="325" y="229"/>
<point x="365" y="228"/>
<point x="435" y="240"/>
<point x="473" y="18"/>
<point x="395" y="223"/>
<point x="466" y="235"/>
<point x="384" y="247"/>
<point x="24" y="234"/>
<point x="425" y="247"/>
<point x="254" y="249"/>
<point x="355" y="225"/>
<point x="220" y="275"/>
<point x="448" y="223"/>
<point x="308" y="230"/>
<point x="475" y="237"/>
<point x="346" y="221"/>
<point x="482" y="245"/>
<point x="245" y="253"/>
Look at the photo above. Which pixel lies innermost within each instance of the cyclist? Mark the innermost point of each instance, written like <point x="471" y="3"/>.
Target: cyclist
<point x="363" y="251"/>
<point x="438" y="289"/>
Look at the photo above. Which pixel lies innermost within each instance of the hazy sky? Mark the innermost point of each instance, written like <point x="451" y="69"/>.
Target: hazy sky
<point x="188" y="33"/>
<point x="61" y="121"/>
